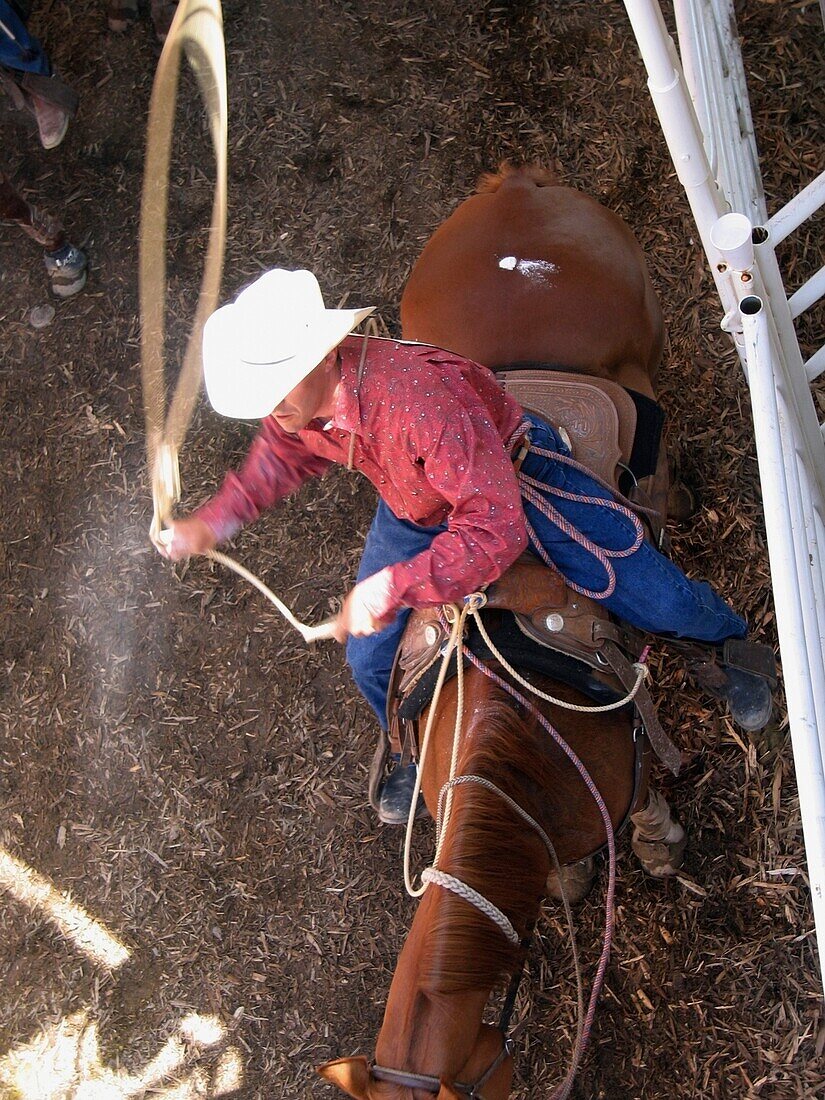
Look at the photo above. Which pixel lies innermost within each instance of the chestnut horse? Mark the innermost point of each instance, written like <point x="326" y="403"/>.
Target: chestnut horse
<point x="525" y="272"/>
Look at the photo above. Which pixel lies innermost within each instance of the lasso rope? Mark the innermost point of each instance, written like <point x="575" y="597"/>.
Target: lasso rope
<point x="197" y="32"/>
<point x="533" y="490"/>
<point x="309" y="633"/>
<point x="642" y="672"/>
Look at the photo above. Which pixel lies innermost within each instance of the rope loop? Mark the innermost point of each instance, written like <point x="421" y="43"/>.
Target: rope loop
<point x="475" y="601"/>
<point x="197" y="32"/>
<point x="484" y="905"/>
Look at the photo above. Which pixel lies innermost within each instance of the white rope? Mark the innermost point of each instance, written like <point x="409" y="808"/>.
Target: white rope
<point x="642" y="671"/>
<point x="450" y="645"/>
<point x="456" y="886"/>
<point x="309" y="633"/>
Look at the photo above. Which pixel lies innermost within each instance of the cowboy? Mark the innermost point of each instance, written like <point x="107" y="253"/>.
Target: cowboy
<point x="436" y="435"/>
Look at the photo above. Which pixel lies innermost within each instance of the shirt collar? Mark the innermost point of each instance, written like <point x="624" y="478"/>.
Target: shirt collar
<point x="347" y="413"/>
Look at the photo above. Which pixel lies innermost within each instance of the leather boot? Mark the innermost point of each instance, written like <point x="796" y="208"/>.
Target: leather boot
<point x="396" y="797"/>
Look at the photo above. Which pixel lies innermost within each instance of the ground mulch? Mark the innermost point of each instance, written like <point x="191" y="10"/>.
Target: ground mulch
<point x="171" y="754"/>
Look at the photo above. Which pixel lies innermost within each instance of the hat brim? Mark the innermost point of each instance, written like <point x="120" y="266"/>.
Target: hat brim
<point x="250" y="391"/>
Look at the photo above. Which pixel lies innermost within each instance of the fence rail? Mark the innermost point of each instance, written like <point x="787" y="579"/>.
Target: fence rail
<point x="703" y="107"/>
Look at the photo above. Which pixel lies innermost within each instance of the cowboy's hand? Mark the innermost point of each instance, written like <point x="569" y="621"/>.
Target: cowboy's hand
<point x="185" y="537"/>
<point x="362" y="613"/>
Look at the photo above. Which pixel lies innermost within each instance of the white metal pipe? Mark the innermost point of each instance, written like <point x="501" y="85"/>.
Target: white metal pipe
<point x="815" y="365"/>
<point x="799" y="209"/>
<point x="808" y="293"/>
<point x="732" y="234"/>
<point x="790" y="445"/>
<point x="768" y="280"/>
<point x="799" y="524"/>
<point x="732" y="74"/>
<point x="794" y="520"/>
<point x="675" y="111"/>
<point x="787" y="588"/>
<point x="803" y="527"/>
<point x="714" y="75"/>
<point x="682" y="133"/>
<point x="689" y="29"/>
<point x="802" y="515"/>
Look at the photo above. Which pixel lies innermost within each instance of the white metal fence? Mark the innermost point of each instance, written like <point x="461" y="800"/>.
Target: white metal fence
<point x="703" y="107"/>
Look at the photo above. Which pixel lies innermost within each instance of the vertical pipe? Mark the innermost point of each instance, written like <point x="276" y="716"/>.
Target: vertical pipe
<point x="790" y="588"/>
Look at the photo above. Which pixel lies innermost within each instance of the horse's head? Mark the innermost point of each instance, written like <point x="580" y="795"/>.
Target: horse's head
<point x="489" y="1062"/>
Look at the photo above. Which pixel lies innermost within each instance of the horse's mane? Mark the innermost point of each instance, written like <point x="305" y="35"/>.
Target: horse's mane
<point x="539" y="174"/>
<point x="491" y="849"/>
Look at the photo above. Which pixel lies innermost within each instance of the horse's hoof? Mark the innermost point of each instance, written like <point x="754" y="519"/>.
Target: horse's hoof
<point x="576" y="881"/>
<point x="658" y="857"/>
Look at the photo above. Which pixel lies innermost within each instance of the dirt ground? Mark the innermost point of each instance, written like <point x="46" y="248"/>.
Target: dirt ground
<point x="174" y="761"/>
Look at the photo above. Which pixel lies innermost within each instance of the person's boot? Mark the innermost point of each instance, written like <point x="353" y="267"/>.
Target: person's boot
<point x="52" y="121"/>
<point x="396" y="796"/>
<point x="740" y="671"/>
<point x="67" y="267"/>
<point x="750" y="699"/>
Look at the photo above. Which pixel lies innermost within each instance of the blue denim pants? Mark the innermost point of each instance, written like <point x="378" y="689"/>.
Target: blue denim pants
<point x="651" y="593"/>
<point x="21" y="50"/>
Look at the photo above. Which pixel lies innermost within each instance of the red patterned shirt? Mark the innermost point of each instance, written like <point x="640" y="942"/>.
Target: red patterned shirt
<point x="430" y="432"/>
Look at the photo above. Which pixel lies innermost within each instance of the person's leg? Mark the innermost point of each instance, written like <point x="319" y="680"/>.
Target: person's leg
<point x="66" y="264"/>
<point x="26" y="75"/>
<point x="389" y="540"/>
<point x="651" y="592"/>
<point x="20" y="50"/>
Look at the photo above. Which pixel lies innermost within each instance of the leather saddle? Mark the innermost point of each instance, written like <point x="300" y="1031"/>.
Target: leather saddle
<point x="537" y="624"/>
<point x="600" y="420"/>
<point x="598" y="416"/>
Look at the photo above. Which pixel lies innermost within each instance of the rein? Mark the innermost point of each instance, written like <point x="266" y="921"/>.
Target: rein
<point x="426" y="1083"/>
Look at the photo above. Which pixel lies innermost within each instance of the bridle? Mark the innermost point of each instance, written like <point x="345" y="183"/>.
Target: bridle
<point x="426" y="1083"/>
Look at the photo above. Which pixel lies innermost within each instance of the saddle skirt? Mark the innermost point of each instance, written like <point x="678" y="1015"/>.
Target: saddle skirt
<point x="615" y="432"/>
<point x="598" y="416"/>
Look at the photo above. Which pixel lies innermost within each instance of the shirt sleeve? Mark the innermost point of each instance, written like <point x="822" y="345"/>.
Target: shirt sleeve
<point x="465" y="462"/>
<point x="277" y="464"/>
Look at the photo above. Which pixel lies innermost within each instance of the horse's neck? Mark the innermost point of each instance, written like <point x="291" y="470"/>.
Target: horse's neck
<point x="426" y="1030"/>
<point x="433" y="1021"/>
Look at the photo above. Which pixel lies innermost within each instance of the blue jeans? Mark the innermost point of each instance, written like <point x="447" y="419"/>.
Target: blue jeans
<point x="651" y="592"/>
<point x="389" y="540"/>
<point x="21" y="51"/>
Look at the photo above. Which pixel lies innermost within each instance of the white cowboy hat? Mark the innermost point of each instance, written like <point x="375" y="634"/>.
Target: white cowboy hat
<point x="259" y="347"/>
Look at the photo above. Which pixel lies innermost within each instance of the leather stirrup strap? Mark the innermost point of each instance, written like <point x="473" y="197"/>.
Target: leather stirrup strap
<point x="659" y="740"/>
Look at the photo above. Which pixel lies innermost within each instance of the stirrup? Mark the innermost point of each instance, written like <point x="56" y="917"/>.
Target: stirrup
<point x="753" y="657"/>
